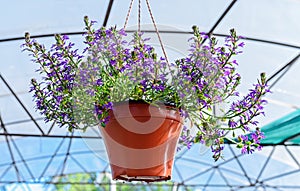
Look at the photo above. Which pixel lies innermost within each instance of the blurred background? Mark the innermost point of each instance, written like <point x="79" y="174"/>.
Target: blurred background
<point x="40" y="156"/>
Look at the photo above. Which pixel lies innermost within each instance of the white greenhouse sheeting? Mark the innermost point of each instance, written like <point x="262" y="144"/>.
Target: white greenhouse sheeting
<point x="31" y="149"/>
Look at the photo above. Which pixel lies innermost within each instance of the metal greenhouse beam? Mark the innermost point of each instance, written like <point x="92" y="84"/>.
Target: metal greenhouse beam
<point x="22" y="105"/>
<point x="162" y="32"/>
<point x="110" y="4"/>
<point x="283" y="70"/>
<point x="222" y="17"/>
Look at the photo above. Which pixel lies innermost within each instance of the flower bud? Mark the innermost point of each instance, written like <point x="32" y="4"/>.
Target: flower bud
<point x="27" y="37"/>
<point x="86" y="20"/>
<point x="263" y="78"/>
<point x="58" y="39"/>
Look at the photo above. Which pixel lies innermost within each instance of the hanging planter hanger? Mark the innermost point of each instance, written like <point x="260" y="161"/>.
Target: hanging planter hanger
<point x="139" y="24"/>
<point x="141" y="139"/>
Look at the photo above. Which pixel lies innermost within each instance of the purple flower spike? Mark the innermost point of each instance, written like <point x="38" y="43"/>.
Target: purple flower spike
<point x="203" y="86"/>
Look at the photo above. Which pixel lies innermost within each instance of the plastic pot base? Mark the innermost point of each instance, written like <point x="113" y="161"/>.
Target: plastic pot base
<point x="141" y="141"/>
<point x="143" y="178"/>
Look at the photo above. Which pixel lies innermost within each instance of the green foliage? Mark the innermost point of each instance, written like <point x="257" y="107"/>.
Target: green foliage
<point x="88" y="182"/>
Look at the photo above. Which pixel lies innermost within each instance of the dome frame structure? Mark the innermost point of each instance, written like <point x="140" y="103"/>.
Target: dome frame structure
<point x="36" y="153"/>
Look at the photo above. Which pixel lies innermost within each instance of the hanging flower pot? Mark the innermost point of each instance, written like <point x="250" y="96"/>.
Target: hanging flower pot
<point x="88" y="89"/>
<point x="141" y="140"/>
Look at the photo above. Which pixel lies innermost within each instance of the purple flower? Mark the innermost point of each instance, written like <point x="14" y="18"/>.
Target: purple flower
<point x="99" y="82"/>
<point x="75" y="90"/>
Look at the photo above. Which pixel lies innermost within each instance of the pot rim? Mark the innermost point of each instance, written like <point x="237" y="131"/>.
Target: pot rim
<point x="169" y="105"/>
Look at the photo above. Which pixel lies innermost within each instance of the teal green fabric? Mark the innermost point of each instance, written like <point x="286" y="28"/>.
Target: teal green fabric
<point x="284" y="130"/>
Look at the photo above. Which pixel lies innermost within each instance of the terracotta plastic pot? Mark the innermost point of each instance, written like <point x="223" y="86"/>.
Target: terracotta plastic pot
<point x="141" y="141"/>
